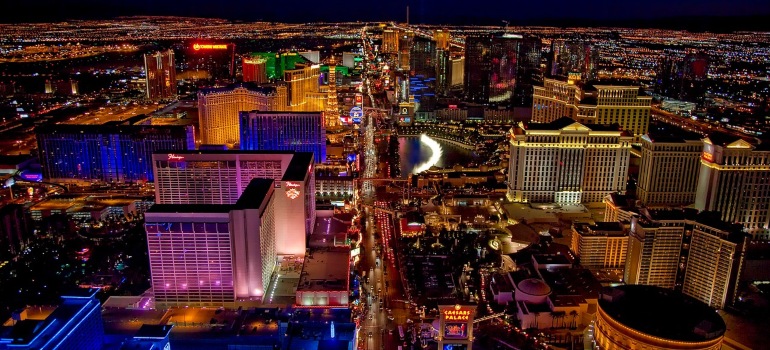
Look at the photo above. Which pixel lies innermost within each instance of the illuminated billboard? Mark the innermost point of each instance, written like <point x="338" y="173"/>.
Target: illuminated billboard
<point x="450" y="346"/>
<point x="456" y="327"/>
<point x="198" y="46"/>
<point x="456" y="330"/>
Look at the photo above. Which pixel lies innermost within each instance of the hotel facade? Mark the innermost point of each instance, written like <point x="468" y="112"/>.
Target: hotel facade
<point x="564" y="161"/>
<point x="213" y="254"/>
<point x="734" y="179"/>
<point x="593" y="104"/>
<point x="220" y="177"/>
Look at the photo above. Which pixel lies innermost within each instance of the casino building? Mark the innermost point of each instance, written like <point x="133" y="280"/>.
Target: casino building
<point x="733" y="180"/>
<point x="213" y="254"/>
<point x="456" y="326"/>
<point x="111" y="152"/>
<point x="565" y="161"/>
<point x="218" y="109"/>
<point x="648" y="317"/>
<point x="220" y="177"/>
<point x="284" y="131"/>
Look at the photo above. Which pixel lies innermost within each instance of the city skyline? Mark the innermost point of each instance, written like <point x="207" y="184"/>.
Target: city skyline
<point x="384" y="185"/>
<point x="697" y="15"/>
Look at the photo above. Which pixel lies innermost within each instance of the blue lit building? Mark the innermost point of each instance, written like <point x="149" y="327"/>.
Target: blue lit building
<point x="109" y="152"/>
<point x="284" y="131"/>
<point x="75" y="324"/>
<point x="149" y="337"/>
<point x="423" y="90"/>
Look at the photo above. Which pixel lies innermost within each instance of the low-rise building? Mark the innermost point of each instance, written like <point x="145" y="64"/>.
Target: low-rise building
<point x="76" y="323"/>
<point x="599" y="246"/>
<point x="324" y="280"/>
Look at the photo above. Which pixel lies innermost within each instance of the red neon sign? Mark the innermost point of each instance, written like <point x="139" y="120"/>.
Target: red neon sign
<point x="292" y="184"/>
<point x="175" y="157"/>
<point x="198" y="46"/>
<point x="292" y="193"/>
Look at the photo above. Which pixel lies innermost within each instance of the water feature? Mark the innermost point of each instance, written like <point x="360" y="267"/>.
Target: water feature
<point x="419" y="153"/>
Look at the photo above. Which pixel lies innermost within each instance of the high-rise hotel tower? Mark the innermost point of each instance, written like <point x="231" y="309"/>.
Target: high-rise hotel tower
<point x="735" y="180"/>
<point x="161" y="75"/>
<point x="593" y="103"/>
<point x="567" y="162"/>
<point x="218" y="109"/>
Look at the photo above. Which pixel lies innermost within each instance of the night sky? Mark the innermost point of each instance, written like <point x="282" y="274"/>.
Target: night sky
<point x="422" y="11"/>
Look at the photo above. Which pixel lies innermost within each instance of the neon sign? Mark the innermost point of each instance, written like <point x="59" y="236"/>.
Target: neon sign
<point x="174" y="157"/>
<point x="457" y="315"/>
<point x="198" y="47"/>
<point x="292" y="193"/>
<point x="455" y="330"/>
<point x="707" y="157"/>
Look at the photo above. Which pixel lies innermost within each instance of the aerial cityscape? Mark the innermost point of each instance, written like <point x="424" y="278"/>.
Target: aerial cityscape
<point x="184" y="179"/>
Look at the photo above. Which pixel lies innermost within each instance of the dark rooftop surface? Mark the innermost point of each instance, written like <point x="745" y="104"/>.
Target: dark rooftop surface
<point x="263" y="88"/>
<point x="14" y="160"/>
<point x="572" y="282"/>
<point x="722" y="139"/>
<point x="298" y="167"/>
<point x="254" y="194"/>
<point x="107" y="129"/>
<point x="671" y="134"/>
<point x="662" y="313"/>
<point x="190" y="208"/>
<point x="34" y="333"/>
<point x="220" y="151"/>
<point x="564" y="122"/>
<point x="601" y="229"/>
<point x="281" y="112"/>
<point x="153" y="331"/>
<point x="551" y="259"/>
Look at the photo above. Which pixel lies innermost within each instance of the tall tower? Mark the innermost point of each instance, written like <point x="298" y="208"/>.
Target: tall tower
<point x="390" y="41"/>
<point x="668" y="174"/>
<point x="332" y="115"/>
<point x="733" y="180"/>
<point x="161" y="75"/>
<point x="441" y="37"/>
<point x="254" y="69"/>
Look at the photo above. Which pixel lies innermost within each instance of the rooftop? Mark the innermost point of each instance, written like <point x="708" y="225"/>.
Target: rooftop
<point x="191" y="208"/>
<point x="325" y="270"/>
<point x="600" y="229"/>
<point x="662" y="313"/>
<point x="671" y="135"/>
<point x="254" y="194"/>
<point x="299" y="167"/>
<point x="35" y="334"/>
<point x="265" y="89"/>
<point x="110" y="129"/>
<point x="153" y="331"/>
<point x="572" y="281"/>
<point x="14" y="160"/>
<point x="564" y="122"/>
<point x="549" y="259"/>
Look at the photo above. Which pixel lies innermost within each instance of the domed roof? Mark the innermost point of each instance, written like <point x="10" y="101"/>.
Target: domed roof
<point x="534" y="286"/>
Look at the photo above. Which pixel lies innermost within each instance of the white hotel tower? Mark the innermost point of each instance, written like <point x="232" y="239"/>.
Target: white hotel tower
<point x="567" y="162"/>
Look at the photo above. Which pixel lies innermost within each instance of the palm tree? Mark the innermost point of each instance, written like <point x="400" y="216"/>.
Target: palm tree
<point x="574" y="314"/>
<point x="553" y="317"/>
<point x="559" y="316"/>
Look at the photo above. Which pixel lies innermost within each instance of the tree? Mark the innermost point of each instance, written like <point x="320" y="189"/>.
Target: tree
<point x="574" y="315"/>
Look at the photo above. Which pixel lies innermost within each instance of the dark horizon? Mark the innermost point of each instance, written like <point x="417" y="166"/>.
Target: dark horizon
<point x="709" y="15"/>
